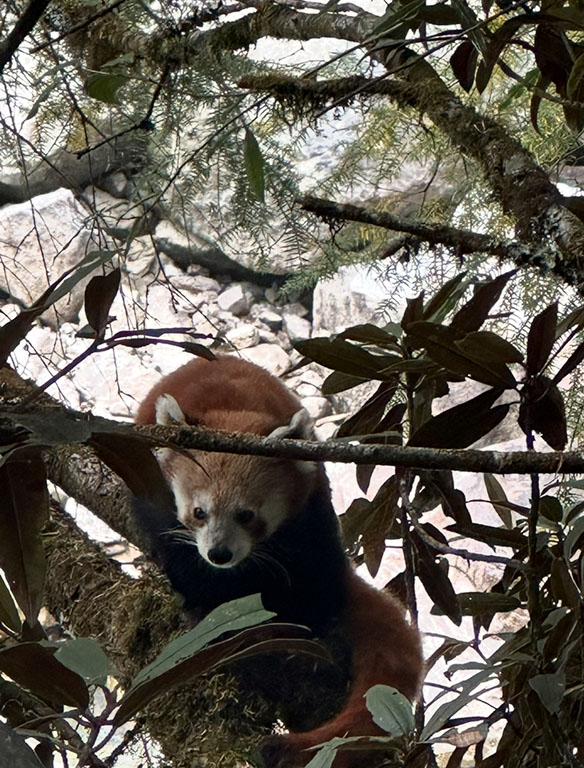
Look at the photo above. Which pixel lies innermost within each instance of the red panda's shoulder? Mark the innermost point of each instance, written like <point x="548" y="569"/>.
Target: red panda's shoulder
<point x="226" y="393"/>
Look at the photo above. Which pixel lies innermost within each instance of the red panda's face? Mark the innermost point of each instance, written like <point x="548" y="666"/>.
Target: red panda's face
<point x="232" y="503"/>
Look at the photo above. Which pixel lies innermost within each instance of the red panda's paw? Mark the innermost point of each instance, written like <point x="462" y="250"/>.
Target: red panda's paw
<point x="281" y="752"/>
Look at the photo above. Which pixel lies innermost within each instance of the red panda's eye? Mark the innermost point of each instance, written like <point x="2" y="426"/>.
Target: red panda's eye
<point x="199" y="513"/>
<point x="244" y="515"/>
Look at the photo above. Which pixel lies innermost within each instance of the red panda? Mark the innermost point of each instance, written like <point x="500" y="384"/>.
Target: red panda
<point x="254" y="524"/>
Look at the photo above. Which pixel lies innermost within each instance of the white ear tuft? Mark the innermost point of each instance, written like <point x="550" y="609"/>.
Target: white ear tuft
<point x="168" y="412"/>
<point x="301" y="426"/>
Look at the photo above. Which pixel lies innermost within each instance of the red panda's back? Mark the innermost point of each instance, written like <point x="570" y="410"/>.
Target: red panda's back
<point x="226" y="393"/>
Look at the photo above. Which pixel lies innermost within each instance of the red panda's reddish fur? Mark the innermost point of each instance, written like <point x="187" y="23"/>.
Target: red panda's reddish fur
<point x="232" y="394"/>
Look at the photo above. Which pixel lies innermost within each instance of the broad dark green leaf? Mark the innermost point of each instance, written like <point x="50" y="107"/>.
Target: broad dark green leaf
<point x="35" y="667"/>
<point x="414" y="311"/>
<point x="367" y="333"/>
<point x="105" y="86"/>
<point x="550" y="689"/>
<point x="495" y="537"/>
<point x="370" y="414"/>
<point x="8" y="610"/>
<point x="391" y="710"/>
<point x="100" y="292"/>
<point x="444" y="345"/>
<point x="571" y="363"/>
<point x="363" y="474"/>
<point x="339" y="382"/>
<point x="434" y="577"/>
<point x="24" y="505"/>
<point x="200" y="650"/>
<point x="14" y="750"/>
<point x="541" y="338"/>
<point x="551" y="508"/>
<point x="497" y="495"/>
<point x="564" y="587"/>
<point x="542" y="410"/>
<point x="341" y="355"/>
<point x="477" y="603"/>
<point x="443" y="300"/>
<point x="489" y="347"/>
<point x="254" y="165"/>
<point x="473" y="314"/>
<point x="463" y="63"/>
<point x="462" y="425"/>
<point x="130" y="456"/>
<point x="85" y="656"/>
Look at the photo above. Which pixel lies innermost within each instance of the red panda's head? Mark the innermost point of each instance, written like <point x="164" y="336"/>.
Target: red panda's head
<point x="232" y="503"/>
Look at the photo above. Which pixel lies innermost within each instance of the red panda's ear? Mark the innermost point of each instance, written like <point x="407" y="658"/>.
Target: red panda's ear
<point x="300" y="427"/>
<point x="168" y="411"/>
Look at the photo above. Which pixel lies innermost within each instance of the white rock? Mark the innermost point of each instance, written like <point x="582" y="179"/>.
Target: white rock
<point x="266" y="316"/>
<point x="317" y="407"/>
<point x="295" y="308"/>
<point x="235" y="300"/>
<point x="297" y="327"/>
<point x="243" y="336"/>
<point x="196" y="284"/>
<point x="351" y="297"/>
<point x="36" y="250"/>
<point x="270" y="356"/>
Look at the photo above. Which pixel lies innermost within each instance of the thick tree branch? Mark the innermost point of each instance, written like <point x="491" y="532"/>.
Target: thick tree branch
<point x="67" y="170"/>
<point x="463" y="240"/>
<point x="23" y="27"/>
<point x="519" y="184"/>
<point x="55" y="426"/>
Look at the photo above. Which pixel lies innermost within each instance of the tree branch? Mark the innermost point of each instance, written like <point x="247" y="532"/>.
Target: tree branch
<point x="463" y="240"/>
<point x="55" y="426"/>
<point x="23" y="27"/>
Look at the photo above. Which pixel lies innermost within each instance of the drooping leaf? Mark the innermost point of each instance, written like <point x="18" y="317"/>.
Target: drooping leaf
<point x="496" y="495"/>
<point x="452" y="499"/>
<point x="100" y="292"/>
<point x="23" y="512"/>
<point x="130" y="456"/>
<point x="462" y="425"/>
<point x="550" y="688"/>
<point x="341" y="355"/>
<point x="542" y="409"/>
<point x="363" y="474"/>
<point x="391" y="710"/>
<point x="8" y="610"/>
<point x="434" y="577"/>
<point x="564" y="587"/>
<point x="571" y="363"/>
<point x="473" y="314"/>
<point x="254" y="165"/>
<point x="463" y="63"/>
<point x="370" y="414"/>
<point x="541" y="338"/>
<point x="85" y="656"/>
<point x="15" y="751"/>
<point x="35" y="667"/>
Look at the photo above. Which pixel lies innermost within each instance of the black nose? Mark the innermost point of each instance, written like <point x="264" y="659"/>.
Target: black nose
<point x="220" y="555"/>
